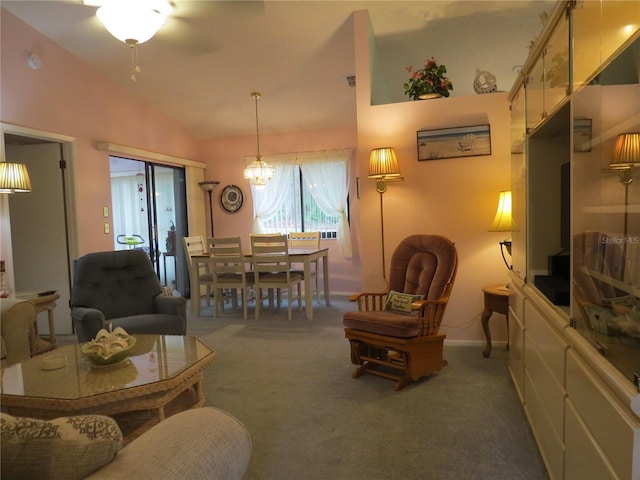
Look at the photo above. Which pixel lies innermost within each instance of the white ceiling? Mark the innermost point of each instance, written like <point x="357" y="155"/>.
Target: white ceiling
<point x="202" y="65"/>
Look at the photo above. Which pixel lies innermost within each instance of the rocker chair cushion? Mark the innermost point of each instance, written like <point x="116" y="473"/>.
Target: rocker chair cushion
<point x="385" y="323"/>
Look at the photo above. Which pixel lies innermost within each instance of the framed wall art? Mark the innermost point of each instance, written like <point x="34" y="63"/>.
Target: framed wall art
<point x="454" y="142"/>
<point x="231" y="198"/>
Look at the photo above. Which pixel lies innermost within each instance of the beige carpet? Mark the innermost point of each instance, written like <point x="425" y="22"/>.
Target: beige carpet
<point x="290" y="383"/>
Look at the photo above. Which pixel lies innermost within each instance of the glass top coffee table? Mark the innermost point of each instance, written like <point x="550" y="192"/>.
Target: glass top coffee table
<point x="162" y="376"/>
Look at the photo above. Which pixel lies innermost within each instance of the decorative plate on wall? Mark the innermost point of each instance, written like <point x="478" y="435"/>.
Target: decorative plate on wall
<point x="231" y="198"/>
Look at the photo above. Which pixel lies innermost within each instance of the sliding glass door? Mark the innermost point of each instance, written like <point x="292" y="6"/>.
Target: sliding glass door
<point x="149" y="213"/>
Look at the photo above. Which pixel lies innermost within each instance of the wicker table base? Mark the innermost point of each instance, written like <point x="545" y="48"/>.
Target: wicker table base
<point x="163" y="376"/>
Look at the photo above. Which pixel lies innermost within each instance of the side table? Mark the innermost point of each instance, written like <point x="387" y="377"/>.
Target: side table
<point x="496" y="299"/>
<point x="43" y="303"/>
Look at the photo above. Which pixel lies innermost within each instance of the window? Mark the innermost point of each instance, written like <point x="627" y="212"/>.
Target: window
<point x="300" y="212"/>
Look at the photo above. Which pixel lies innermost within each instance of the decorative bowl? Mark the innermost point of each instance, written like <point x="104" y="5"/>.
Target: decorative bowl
<point x="108" y="355"/>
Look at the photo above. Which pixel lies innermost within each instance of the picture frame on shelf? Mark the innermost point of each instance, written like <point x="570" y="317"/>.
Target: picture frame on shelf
<point x="581" y="135"/>
<point x="438" y="144"/>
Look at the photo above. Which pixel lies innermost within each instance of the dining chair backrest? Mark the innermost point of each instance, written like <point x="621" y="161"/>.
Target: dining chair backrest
<point x="304" y="239"/>
<point x="227" y="256"/>
<point x="193" y="245"/>
<point x="270" y="253"/>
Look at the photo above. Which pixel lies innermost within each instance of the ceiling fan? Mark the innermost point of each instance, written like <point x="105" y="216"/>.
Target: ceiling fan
<point x="184" y="25"/>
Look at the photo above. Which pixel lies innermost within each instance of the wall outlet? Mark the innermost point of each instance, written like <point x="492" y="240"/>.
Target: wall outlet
<point x="105" y="212"/>
<point x="107" y="228"/>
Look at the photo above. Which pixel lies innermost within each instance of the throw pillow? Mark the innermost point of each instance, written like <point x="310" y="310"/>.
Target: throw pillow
<point x="398" y="302"/>
<point x="66" y="447"/>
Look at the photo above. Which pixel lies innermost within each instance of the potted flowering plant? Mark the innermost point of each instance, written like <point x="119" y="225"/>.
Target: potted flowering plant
<point x="428" y="82"/>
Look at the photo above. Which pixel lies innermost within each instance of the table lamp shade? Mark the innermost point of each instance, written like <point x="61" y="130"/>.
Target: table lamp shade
<point x="14" y="177"/>
<point x="503" y="221"/>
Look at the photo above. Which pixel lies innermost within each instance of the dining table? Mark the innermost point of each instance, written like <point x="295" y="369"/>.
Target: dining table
<point x="304" y="255"/>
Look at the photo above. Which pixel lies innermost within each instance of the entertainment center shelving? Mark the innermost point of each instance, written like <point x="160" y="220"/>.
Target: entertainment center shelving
<point x="574" y="315"/>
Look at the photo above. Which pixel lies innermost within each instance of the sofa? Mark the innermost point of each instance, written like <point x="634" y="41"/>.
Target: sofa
<point x="197" y="444"/>
<point x="17" y="317"/>
<point x="121" y="289"/>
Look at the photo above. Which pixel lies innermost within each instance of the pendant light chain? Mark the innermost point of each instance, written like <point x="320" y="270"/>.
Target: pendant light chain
<point x="256" y="96"/>
<point x="135" y="65"/>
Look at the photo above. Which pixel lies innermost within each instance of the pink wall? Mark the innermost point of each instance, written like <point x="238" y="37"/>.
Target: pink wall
<point x="454" y="197"/>
<point x="226" y="159"/>
<point x="66" y="97"/>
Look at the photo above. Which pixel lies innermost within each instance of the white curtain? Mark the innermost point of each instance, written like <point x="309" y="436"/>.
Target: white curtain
<point x="267" y="200"/>
<point x="326" y="175"/>
<point x="129" y="208"/>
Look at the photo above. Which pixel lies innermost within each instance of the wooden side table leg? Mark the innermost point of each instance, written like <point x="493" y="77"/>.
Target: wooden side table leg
<point x="486" y="315"/>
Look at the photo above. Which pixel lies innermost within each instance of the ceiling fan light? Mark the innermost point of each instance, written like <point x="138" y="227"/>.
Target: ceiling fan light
<point x="130" y="20"/>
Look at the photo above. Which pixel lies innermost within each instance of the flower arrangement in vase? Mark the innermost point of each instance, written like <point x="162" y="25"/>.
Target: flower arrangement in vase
<point x="428" y="82"/>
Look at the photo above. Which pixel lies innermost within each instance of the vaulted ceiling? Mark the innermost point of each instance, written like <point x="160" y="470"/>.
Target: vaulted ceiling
<point x="209" y="56"/>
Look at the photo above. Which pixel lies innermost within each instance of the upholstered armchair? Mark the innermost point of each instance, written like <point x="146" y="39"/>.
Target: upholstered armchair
<point x="395" y="334"/>
<point x="121" y="288"/>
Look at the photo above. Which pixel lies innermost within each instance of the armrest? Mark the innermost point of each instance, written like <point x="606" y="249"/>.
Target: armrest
<point x="203" y="443"/>
<point x="430" y="313"/>
<point x="171" y="305"/>
<point x="368" y="301"/>
<point x="87" y="321"/>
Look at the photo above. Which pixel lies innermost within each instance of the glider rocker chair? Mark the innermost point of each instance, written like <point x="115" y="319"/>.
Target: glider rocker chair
<point x="394" y="334"/>
<point x="121" y="289"/>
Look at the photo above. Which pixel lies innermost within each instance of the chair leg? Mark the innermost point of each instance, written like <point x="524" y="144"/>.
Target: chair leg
<point x="244" y="297"/>
<point x="258" y="303"/>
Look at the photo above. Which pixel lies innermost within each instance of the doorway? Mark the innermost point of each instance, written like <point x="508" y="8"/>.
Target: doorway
<point x="149" y="213"/>
<point x="36" y="225"/>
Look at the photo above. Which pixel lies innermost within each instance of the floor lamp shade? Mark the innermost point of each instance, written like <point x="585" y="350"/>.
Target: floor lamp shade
<point x="626" y="153"/>
<point x="14" y="177"/>
<point x="383" y="164"/>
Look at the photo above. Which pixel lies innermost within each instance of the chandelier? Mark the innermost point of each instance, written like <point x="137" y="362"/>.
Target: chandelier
<point x="258" y="172"/>
<point x="133" y="22"/>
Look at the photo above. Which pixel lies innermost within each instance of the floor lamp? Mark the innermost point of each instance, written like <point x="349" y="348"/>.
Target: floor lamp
<point x="208" y="187"/>
<point x="626" y="155"/>
<point x="383" y="165"/>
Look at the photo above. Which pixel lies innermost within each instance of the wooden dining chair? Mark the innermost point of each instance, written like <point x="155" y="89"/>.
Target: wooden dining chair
<point x="307" y="240"/>
<point x="228" y="265"/>
<point x="194" y="245"/>
<point x="272" y="269"/>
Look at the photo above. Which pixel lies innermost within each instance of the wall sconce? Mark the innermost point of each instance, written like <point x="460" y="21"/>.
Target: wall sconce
<point x="208" y="187"/>
<point x="383" y="165"/>
<point x="14" y="177"/>
<point x="503" y="222"/>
